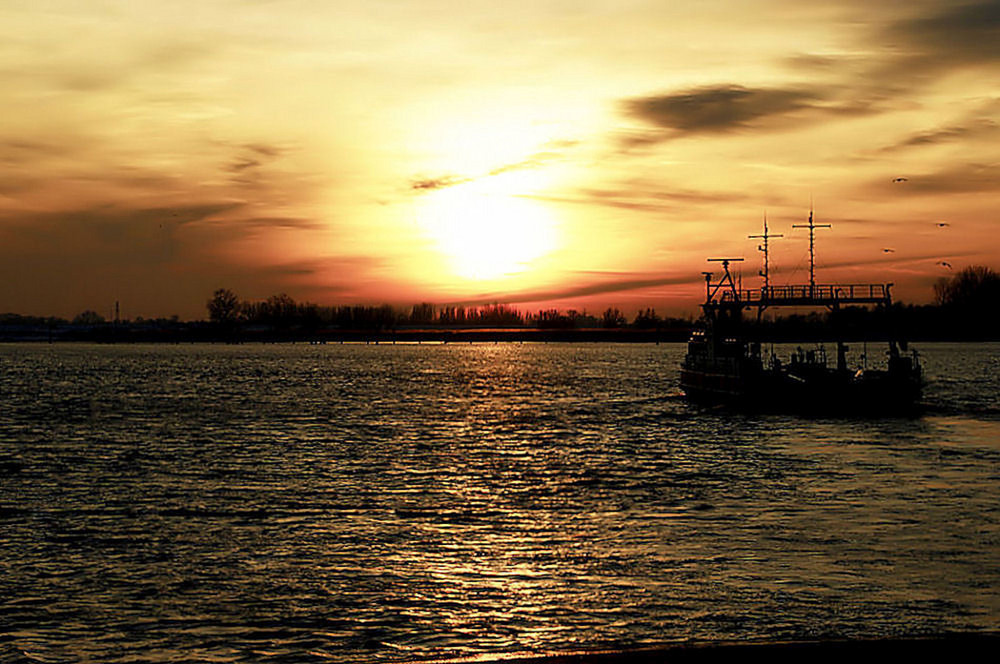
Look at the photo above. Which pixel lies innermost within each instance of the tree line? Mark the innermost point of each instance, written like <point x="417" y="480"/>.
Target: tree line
<point x="282" y="312"/>
<point x="966" y="306"/>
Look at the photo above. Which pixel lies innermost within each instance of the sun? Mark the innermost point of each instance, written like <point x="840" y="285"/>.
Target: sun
<point x="486" y="232"/>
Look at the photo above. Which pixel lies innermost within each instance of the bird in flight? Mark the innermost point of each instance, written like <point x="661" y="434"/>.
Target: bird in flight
<point x="888" y="251"/>
<point x="942" y="224"/>
<point x="945" y="264"/>
<point x="900" y="179"/>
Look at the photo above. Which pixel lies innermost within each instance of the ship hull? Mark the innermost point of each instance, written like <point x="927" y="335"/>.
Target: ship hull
<point x="824" y="391"/>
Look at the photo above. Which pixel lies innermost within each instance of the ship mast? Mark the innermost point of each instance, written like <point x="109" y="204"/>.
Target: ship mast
<point x="812" y="249"/>
<point x="763" y="248"/>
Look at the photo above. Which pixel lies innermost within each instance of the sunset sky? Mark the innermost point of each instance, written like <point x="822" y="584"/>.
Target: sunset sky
<point x="576" y="153"/>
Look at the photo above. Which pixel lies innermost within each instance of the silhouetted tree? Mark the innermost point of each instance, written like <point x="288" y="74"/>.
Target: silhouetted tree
<point x="224" y="307"/>
<point x="970" y="303"/>
<point x="582" y="320"/>
<point x="553" y="319"/>
<point x="280" y="311"/>
<point x="422" y="314"/>
<point x="974" y="286"/>
<point x="646" y="319"/>
<point x="612" y="318"/>
<point x="310" y="316"/>
<point x="88" y="318"/>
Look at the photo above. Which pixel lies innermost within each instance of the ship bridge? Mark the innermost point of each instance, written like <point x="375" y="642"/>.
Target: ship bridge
<point x="729" y="295"/>
<point x="833" y="296"/>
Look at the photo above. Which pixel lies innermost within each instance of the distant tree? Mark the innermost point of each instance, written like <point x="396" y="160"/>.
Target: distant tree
<point x="280" y="310"/>
<point x="970" y="303"/>
<point x="612" y="318"/>
<point x="310" y="316"/>
<point x="499" y="315"/>
<point x="422" y="314"/>
<point x="974" y="286"/>
<point x="88" y="317"/>
<point x="583" y="320"/>
<point x="224" y="307"/>
<point x="646" y="319"/>
<point x="452" y="316"/>
<point x="552" y="319"/>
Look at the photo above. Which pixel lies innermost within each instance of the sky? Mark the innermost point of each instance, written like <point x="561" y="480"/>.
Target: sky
<point x="569" y="154"/>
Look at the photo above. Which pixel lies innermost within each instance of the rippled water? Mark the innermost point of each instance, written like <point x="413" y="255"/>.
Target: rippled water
<point x="385" y="503"/>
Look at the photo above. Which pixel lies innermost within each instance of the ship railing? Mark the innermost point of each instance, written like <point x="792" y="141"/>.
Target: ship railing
<point x="805" y="294"/>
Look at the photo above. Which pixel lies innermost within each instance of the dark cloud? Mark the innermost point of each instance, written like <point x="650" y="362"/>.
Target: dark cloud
<point x="151" y="236"/>
<point x="554" y="150"/>
<point x="978" y="128"/>
<point x="18" y="149"/>
<point x="959" y="33"/>
<point x="915" y="51"/>
<point x="250" y="160"/>
<point x="442" y="182"/>
<point x="634" y="281"/>
<point x="109" y="233"/>
<point x="280" y="222"/>
<point x="882" y="259"/>
<point x="266" y="149"/>
<point x="901" y="56"/>
<point x="892" y="61"/>
<point x="816" y="63"/>
<point x="962" y="179"/>
<point x="242" y="164"/>
<point x="156" y="260"/>
<point x="643" y="198"/>
<point x="719" y="108"/>
<point x="112" y="215"/>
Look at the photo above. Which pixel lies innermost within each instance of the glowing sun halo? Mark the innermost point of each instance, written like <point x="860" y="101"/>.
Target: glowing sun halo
<point x="487" y="234"/>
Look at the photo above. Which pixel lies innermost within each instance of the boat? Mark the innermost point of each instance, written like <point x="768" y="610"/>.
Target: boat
<point x="726" y="362"/>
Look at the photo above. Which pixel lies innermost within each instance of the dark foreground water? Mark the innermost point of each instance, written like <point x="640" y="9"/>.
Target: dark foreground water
<point x="384" y="503"/>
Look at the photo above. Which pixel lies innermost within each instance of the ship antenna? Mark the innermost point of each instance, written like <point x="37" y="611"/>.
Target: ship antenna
<point x="763" y="248"/>
<point x="726" y="279"/>
<point x="812" y="248"/>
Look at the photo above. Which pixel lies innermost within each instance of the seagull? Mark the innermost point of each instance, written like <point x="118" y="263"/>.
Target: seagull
<point x="942" y="224"/>
<point x="900" y="179"/>
<point x="888" y="251"/>
<point x="945" y="264"/>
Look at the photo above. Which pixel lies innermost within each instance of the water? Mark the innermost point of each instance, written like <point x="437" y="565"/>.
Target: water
<point x="386" y="503"/>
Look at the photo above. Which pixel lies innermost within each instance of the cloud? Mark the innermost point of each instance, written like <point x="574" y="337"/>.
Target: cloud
<point x="633" y="281"/>
<point x="113" y="233"/>
<point x="959" y="33"/>
<point x="884" y="66"/>
<point x="249" y="163"/>
<point x="977" y="128"/>
<point x="642" y="198"/>
<point x="242" y="164"/>
<point x="961" y="179"/>
<point x="554" y="149"/>
<point x="280" y="222"/>
<point x="154" y="259"/>
<point x="883" y="260"/>
<point x="719" y="108"/>
<point x="112" y="215"/>
<point x="441" y="182"/>
<point x="17" y="150"/>
<point x="266" y="149"/>
<point x="919" y="49"/>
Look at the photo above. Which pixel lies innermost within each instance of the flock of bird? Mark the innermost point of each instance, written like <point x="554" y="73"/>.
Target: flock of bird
<point x="940" y="224"/>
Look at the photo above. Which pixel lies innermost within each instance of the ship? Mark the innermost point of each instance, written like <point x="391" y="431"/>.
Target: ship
<point x="728" y="363"/>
